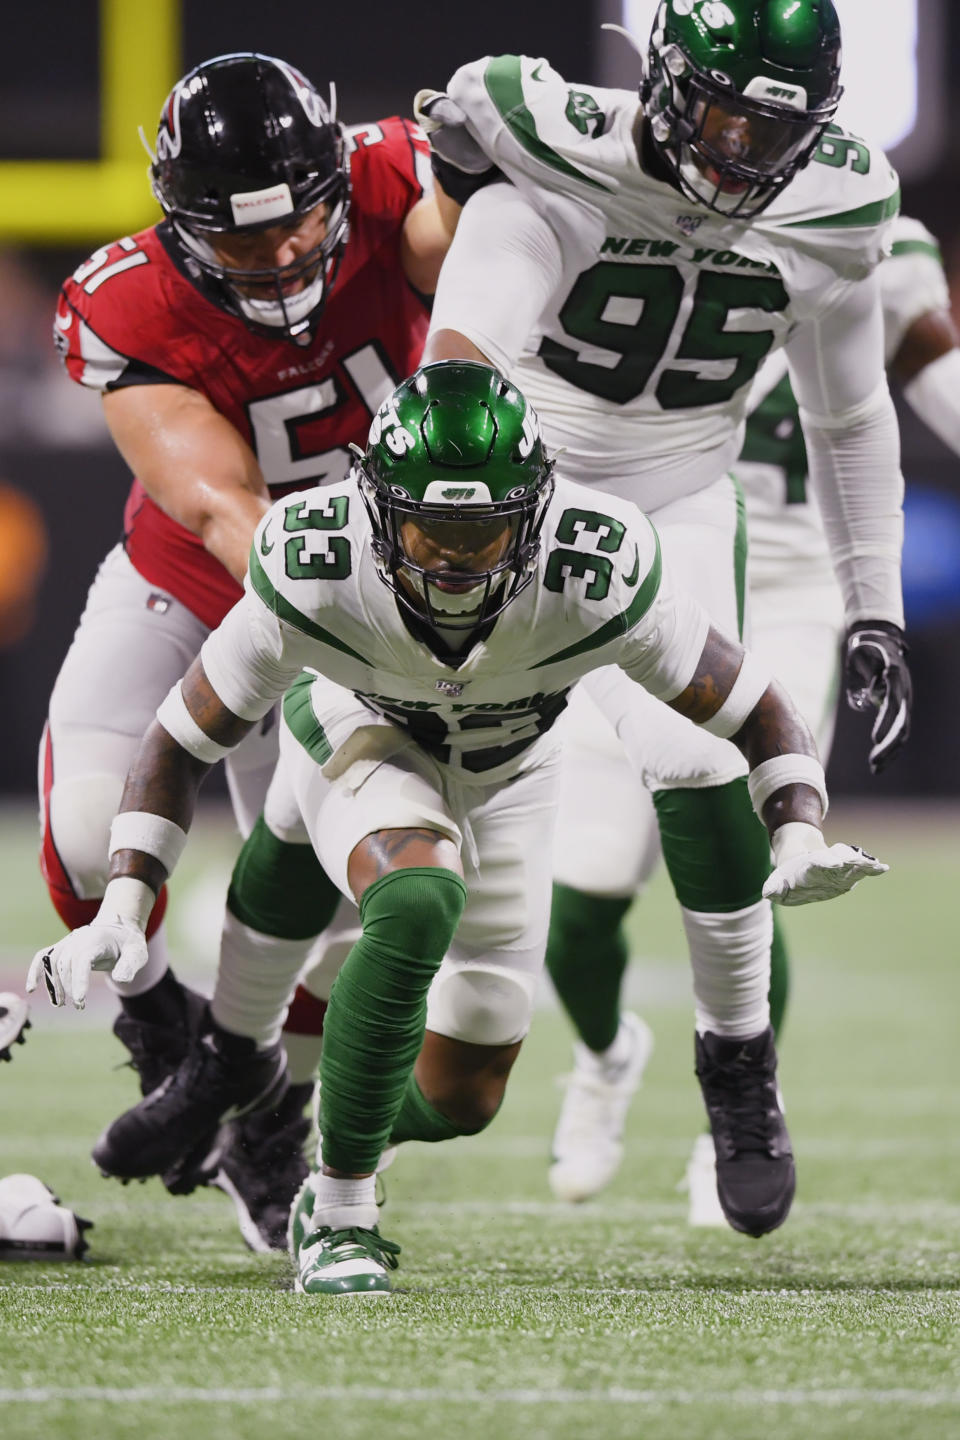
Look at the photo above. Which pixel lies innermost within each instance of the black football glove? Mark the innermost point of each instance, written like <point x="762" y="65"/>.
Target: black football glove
<point x="877" y="675"/>
<point x="456" y="159"/>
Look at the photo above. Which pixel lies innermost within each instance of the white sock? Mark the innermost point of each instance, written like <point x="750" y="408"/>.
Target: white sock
<point x="255" y="980"/>
<point x="341" y="1203"/>
<point x="730" y="956"/>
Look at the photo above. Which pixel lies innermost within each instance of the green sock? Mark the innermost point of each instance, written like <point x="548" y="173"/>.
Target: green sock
<point x="779" y="974"/>
<point x="418" y="1120"/>
<point x="375" y="1021"/>
<point x="280" y="889"/>
<point x="586" y="956"/>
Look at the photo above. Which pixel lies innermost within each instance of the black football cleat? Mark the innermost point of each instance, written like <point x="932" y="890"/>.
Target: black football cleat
<point x="756" y="1177"/>
<point x="171" y="1130"/>
<point x="262" y="1166"/>
<point x="157" y="1049"/>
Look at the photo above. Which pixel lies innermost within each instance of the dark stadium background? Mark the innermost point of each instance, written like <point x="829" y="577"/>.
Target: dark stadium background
<point x="379" y="54"/>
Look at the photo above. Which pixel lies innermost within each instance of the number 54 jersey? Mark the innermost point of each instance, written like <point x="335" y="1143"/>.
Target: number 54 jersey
<point x="314" y="600"/>
<point x="633" y="319"/>
<point x="133" y="314"/>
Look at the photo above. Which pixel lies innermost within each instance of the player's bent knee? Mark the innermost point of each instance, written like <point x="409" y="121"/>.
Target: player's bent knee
<point x="81" y="810"/>
<point x="481" y="1004"/>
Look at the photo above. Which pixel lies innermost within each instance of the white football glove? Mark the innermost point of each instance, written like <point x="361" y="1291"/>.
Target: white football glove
<point x="34" y="1225"/>
<point x="110" y="942"/>
<point x="808" y="869"/>
<point x="13" y="1021"/>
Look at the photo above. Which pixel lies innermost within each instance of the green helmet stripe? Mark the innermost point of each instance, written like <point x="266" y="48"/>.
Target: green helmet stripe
<point x="283" y="610"/>
<point x="504" y="82"/>
<point x="866" y="215"/>
<point x="621" y="623"/>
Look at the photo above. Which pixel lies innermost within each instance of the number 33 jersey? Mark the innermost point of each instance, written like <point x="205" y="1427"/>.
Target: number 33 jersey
<point x="633" y="319"/>
<point x="314" y="600"/>
<point x="132" y="315"/>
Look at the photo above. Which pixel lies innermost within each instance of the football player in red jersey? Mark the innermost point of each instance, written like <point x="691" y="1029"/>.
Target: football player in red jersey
<point x="240" y="346"/>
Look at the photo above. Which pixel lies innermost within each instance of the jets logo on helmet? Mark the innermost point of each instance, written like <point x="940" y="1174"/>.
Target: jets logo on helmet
<point x="470" y="470"/>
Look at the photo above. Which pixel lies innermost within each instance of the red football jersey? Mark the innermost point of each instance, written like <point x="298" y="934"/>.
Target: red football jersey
<point x="131" y="315"/>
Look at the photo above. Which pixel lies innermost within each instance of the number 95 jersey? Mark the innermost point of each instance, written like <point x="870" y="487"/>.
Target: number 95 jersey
<point x="133" y="315"/>
<point x="632" y="319"/>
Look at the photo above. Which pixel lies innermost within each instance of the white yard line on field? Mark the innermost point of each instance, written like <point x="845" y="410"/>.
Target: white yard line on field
<point x="423" y="1395"/>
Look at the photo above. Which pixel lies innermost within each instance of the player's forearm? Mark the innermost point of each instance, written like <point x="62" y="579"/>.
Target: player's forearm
<point x="933" y="393"/>
<point x="160" y="793"/>
<point x="856" y="477"/>
<point x="773" y="732"/>
<point x="226" y="525"/>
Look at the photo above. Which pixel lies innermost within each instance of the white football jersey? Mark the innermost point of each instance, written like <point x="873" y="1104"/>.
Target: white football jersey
<point x="785" y="527"/>
<point x="314" y="600"/>
<point x="655" y="311"/>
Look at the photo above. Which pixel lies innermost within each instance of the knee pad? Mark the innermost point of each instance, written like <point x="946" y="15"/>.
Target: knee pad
<point x="481" y="1004"/>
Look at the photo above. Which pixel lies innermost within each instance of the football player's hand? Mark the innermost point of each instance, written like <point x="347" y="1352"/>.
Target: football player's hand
<point x="877" y="675"/>
<point x="110" y="942"/>
<point x="820" y="874"/>
<point x="456" y="159"/>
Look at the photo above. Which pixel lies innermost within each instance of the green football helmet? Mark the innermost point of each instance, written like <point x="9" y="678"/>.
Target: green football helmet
<point x="455" y="453"/>
<point x="737" y="94"/>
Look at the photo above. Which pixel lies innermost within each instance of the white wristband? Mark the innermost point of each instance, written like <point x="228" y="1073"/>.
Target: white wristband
<point x="749" y="685"/>
<point x="180" y="724"/>
<point x="781" y="770"/>
<point x="127" y="899"/>
<point x="795" y="838"/>
<point x="152" y="834"/>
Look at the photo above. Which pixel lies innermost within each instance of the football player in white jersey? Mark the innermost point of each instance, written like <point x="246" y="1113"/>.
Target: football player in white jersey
<point x="796" y="628"/>
<point x="424" y="621"/>
<point x="643" y="261"/>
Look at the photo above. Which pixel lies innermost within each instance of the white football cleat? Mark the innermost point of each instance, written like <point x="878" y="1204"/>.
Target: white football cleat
<point x="588" y="1141"/>
<point x="13" y="1021"/>
<point x="34" y="1225"/>
<point x="700" y="1183"/>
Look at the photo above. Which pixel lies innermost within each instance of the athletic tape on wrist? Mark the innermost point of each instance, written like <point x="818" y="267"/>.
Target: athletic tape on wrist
<point x="795" y="838"/>
<point x="781" y="770"/>
<point x="128" y="899"/>
<point x="180" y="724"/>
<point x="153" y="834"/>
<point x="749" y="685"/>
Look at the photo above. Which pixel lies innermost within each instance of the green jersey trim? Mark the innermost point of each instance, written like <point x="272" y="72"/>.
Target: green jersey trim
<point x="303" y="723"/>
<point x="283" y="610"/>
<point x="917" y="247"/>
<point x="504" y="84"/>
<point x="621" y="623"/>
<point x="871" y="214"/>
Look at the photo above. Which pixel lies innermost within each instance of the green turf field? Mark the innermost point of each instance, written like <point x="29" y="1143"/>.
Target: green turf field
<point x="515" y="1316"/>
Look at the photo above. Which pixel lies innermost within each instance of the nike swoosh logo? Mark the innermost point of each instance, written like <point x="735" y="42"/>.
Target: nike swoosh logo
<point x="264" y="547"/>
<point x="634" y="575"/>
<point x="535" y="73"/>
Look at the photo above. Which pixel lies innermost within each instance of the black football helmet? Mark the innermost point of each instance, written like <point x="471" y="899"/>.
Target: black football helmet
<point x="245" y="142"/>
